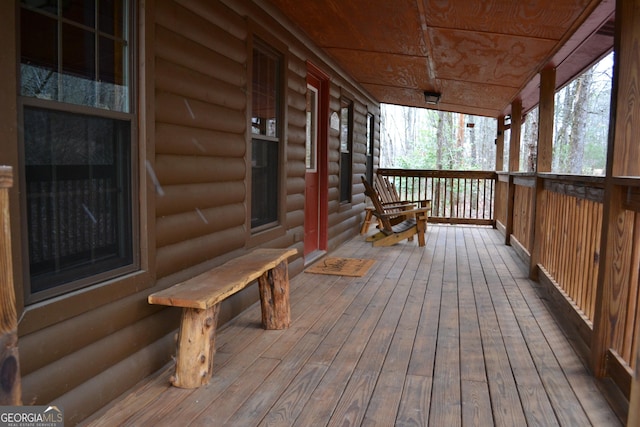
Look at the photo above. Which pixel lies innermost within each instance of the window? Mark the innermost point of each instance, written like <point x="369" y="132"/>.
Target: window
<point x="266" y="130"/>
<point x="311" y="143"/>
<point x="346" y="146"/>
<point x="370" y="145"/>
<point x="78" y="150"/>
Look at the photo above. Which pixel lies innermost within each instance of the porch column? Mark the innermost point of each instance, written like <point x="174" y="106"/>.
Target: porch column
<point x="623" y="160"/>
<point x="546" y="110"/>
<point x="500" y="145"/>
<point x="634" y="400"/>
<point x="514" y="142"/>
<point x="514" y="163"/>
<point x="10" y="387"/>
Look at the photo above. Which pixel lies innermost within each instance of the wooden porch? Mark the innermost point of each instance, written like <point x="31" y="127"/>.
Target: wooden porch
<point x="450" y="334"/>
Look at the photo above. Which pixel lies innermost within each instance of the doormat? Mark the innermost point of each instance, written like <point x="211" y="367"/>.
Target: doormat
<point x="342" y="266"/>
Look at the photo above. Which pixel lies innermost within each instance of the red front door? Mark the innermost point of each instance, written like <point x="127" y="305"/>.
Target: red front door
<point x="315" y="210"/>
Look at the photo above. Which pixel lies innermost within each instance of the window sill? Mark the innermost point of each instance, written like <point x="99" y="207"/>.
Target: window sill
<point x="264" y="236"/>
<point x="345" y="206"/>
<point x="55" y="310"/>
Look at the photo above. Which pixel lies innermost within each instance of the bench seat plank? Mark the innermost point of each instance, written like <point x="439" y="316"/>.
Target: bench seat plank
<point x="211" y="287"/>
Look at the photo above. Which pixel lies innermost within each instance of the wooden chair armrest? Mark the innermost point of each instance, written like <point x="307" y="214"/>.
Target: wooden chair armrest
<point x="407" y="212"/>
<point x="398" y="206"/>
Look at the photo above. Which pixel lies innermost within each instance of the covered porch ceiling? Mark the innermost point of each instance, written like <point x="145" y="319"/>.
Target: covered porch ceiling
<point x="479" y="55"/>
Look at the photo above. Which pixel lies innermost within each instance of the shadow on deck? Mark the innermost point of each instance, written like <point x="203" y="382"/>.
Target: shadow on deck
<point x="450" y="334"/>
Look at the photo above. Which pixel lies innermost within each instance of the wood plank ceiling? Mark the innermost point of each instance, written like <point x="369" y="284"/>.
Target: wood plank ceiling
<point x="479" y="55"/>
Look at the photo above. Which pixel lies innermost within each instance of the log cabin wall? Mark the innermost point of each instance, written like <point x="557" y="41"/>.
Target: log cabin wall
<point x="82" y="352"/>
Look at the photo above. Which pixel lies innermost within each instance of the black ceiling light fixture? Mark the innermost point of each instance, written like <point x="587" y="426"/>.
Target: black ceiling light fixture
<point x="431" y="98"/>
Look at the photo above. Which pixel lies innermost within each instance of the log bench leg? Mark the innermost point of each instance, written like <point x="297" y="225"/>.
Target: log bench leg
<point x="274" y="297"/>
<point x="196" y="347"/>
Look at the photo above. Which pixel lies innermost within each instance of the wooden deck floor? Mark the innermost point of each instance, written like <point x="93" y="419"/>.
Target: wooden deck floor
<point x="450" y="334"/>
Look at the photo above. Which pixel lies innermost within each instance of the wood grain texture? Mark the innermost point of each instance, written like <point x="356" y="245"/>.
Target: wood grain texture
<point x="10" y="381"/>
<point x="8" y="314"/>
<point x="377" y="350"/>
<point x="196" y="347"/>
<point x="274" y="297"/>
<point x="208" y="289"/>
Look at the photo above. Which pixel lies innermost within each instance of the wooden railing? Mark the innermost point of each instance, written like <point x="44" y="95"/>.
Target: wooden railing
<point x="624" y="345"/>
<point x="457" y="197"/>
<point x="569" y="237"/>
<point x="524" y="194"/>
<point x="10" y="392"/>
<point x="501" y="197"/>
<point x="557" y="221"/>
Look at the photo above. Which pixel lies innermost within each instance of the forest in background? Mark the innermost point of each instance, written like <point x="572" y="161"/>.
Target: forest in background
<point x="418" y="138"/>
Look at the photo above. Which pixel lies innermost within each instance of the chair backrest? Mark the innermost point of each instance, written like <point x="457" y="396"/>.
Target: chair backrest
<point x="386" y="189"/>
<point x="377" y="203"/>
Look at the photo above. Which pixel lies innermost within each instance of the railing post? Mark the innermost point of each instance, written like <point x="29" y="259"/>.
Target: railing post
<point x="634" y="401"/>
<point x="623" y="160"/>
<point x="10" y="385"/>
<point x="546" y="112"/>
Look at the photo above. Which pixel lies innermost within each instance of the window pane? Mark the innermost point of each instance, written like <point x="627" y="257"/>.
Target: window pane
<point x="112" y="61"/>
<point x="78" y="182"/>
<point x="312" y="115"/>
<point x="78" y="52"/>
<point x="80" y="11"/>
<point x="265" y="93"/>
<point x="91" y="69"/>
<point x="111" y="17"/>
<point x="344" y="129"/>
<point x="264" y="182"/>
<point x="346" y="119"/>
<point x="39" y="55"/>
<point x="370" y="144"/>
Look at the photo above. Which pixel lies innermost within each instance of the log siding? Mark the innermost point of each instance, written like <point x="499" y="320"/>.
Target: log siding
<point x="194" y="139"/>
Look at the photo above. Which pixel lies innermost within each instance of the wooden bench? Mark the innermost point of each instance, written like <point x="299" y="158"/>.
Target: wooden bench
<point x="200" y="298"/>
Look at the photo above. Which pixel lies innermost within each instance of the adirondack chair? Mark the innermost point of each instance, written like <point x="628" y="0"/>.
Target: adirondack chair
<point x="390" y="197"/>
<point x="390" y="200"/>
<point x="397" y="223"/>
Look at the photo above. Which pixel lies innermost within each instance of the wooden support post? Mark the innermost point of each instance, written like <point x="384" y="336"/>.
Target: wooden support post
<point x="500" y="145"/>
<point x="633" y="419"/>
<point x="514" y="141"/>
<point x="196" y="347"/>
<point x="514" y="164"/>
<point x="274" y="297"/>
<point x="10" y="385"/>
<point x="623" y="159"/>
<point x="546" y="112"/>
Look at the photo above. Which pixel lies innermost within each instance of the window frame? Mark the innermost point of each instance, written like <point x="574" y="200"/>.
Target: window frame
<point x="264" y="233"/>
<point x="40" y="311"/>
<point x="346" y="157"/>
<point x="370" y="136"/>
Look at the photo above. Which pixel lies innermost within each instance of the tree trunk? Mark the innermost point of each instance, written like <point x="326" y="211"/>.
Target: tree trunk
<point x="564" y="118"/>
<point x="531" y="139"/>
<point x="579" y="125"/>
<point x="440" y="139"/>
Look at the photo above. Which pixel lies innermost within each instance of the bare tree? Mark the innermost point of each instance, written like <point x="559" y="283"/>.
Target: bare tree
<point x="579" y="124"/>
